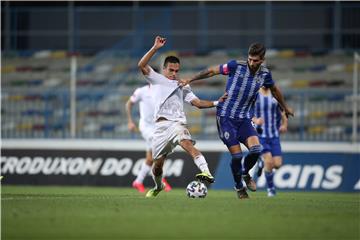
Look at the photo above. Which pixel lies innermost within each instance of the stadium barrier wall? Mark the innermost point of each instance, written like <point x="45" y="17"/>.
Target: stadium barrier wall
<point x="307" y="166"/>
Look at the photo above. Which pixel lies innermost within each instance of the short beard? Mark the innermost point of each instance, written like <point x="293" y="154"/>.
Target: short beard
<point x="254" y="69"/>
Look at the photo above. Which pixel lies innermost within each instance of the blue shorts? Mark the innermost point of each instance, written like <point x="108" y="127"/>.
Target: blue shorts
<point x="271" y="145"/>
<point x="232" y="131"/>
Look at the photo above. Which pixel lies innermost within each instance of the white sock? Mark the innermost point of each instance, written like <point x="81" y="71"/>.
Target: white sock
<point x="144" y="170"/>
<point x="157" y="180"/>
<point x="202" y="164"/>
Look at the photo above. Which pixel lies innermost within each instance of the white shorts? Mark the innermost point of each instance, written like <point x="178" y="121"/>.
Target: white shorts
<point x="147" y="133"/>
<point x="167" y="136"/>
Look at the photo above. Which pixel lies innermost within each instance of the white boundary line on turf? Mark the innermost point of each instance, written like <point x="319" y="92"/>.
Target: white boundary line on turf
<point x="139" y="145"/>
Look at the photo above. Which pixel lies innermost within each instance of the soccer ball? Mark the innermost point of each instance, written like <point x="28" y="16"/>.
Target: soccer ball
<point x="196" y="189"/>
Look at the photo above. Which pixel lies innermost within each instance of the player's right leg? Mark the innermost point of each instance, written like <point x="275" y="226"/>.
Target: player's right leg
<point x="227" y="130"/>
<point x="269" y="174"/>
<point x="161" y="147"/>
<point x="236" y="170"/>
<point x="157" y="171"/>
<point x="199" y="161"/>
<point x="144" y="170"/>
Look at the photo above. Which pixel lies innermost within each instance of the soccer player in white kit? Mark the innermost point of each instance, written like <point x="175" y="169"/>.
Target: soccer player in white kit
<point x="170" y="120"/>
<point x="142" y="95"/>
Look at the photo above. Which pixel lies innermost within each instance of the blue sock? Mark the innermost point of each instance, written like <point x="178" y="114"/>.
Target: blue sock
<point x="270" y="179"/>
<point x="252" y="157"/>
<point x="236" y="169"/>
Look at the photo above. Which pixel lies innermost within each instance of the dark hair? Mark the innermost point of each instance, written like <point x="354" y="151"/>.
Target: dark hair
<point x="257" y="49"/>
<point x="171" y="59"/>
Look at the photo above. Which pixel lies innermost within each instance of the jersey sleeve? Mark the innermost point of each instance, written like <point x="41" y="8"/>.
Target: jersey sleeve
<point x="227" y="68"/>
<point x="268" y="80"/>
<point x="188" y="94"/>
<point x="136" y="96"/>
<point x="154" y="77"/>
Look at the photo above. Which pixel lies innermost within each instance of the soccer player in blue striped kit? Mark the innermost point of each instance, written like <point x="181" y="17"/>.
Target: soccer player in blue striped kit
<point x="234" y="114"/>
<point x="271" y="121"/>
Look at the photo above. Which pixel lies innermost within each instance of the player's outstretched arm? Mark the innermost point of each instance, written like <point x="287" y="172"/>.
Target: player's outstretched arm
<point x="208" y="104"/>
<point x="131" y="124"/>
<point x="144" y="61"/>
<point x="209" y="72"/>
<point x="284" y="123"/>
<point x="275" y="91"/>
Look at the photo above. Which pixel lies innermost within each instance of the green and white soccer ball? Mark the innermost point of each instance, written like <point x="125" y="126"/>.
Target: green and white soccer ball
<point x="196" y="189"/>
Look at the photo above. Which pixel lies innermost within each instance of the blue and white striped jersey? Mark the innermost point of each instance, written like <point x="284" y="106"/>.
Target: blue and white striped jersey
<point x="268" y="109"/>
<point x="242" y="88"/>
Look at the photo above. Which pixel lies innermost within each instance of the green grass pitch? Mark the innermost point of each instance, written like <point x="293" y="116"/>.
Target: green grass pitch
<point x="122" y="213"/>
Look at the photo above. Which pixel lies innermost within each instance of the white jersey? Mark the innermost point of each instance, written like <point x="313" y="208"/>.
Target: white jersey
<point x="143" y="95"/>
<point x="169" y="97"/>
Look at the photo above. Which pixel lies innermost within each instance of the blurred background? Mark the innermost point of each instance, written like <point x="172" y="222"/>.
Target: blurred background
<point x="311" y="52"/>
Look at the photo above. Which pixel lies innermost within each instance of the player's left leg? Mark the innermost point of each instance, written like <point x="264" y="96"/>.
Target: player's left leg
<point x="236" y="170"/>
<point x="144" y="170"/>
<point x="229" y="135"/>
<point x="157" y="172"/>
<point x="248" y="135"/>
<point x="253" y="144"/>
<point x="275" y="163"/>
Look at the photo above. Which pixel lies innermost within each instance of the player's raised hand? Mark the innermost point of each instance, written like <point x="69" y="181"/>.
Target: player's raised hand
<point x="159" y="42"/>
<point x="183" y="82"/>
